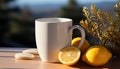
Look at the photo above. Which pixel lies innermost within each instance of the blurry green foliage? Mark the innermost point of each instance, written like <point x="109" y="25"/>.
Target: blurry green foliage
<point x="16" y="26"/>
<point x="73" y="11"/>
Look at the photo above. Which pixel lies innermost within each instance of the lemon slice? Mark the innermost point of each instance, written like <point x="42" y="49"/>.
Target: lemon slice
<point x="69" y="55"/>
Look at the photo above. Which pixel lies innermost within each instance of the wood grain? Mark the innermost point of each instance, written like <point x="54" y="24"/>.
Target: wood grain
<point x="8" y="61"/>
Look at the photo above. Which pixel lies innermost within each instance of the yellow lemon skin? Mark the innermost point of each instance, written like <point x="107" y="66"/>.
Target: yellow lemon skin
<point x="69" y="55"/>
<point x="96" y="56"/>
<point x="75" y="42"/>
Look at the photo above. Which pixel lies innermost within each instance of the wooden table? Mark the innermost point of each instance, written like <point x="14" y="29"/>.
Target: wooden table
<point x="7" y="61"/>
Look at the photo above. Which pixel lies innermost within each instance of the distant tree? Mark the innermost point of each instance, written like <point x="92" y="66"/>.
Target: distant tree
<point x="16" y="26"/>
<point x="73" y="11"/>
<point x="22" y="28"/>
<point x="4" y="18"/>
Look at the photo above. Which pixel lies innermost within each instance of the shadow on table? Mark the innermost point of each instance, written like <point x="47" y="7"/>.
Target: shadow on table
<point x="114" y="63"/>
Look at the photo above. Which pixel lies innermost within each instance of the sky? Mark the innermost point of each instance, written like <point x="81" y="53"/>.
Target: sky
<point x="57" y="1"/>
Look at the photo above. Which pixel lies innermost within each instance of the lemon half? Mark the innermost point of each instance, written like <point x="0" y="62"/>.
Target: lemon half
<point x="69" y="55"/>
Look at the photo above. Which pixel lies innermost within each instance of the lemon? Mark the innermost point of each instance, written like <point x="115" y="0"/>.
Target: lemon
<point x="69" y="55"/>
<point x="96" y="56"/>
<point x="75" y="42"/>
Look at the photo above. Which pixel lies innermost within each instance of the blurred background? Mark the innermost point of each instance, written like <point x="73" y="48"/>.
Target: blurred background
<point x="17" y="26"/>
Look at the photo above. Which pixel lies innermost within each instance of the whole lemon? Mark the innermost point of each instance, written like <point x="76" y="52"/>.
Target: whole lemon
<point x="96" y="56"/>
<point x="75" y="42"/>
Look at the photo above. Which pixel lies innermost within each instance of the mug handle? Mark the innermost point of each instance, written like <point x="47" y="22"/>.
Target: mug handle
<point x="82" y="33"/>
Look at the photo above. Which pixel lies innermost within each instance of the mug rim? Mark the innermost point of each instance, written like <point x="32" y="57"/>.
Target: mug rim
<point x="52" y="20"/>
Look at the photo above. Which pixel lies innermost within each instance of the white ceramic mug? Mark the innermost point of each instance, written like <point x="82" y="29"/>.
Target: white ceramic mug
<point x="53" y="34"/>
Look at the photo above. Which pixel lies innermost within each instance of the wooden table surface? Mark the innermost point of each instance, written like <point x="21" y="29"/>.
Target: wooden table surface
<point x="7" y="61"/>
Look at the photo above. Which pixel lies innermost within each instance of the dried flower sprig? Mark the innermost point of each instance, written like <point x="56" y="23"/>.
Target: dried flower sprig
<point x="102" y="26"/>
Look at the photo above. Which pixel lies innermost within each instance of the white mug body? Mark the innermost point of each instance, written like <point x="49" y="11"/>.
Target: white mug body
<point x="52" y="34"/>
